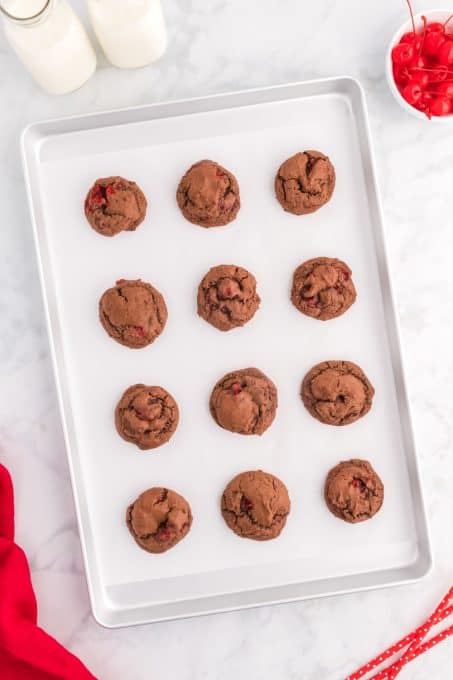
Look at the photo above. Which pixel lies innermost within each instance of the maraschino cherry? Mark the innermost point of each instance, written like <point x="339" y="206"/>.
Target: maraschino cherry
<point x="423" y="67"/>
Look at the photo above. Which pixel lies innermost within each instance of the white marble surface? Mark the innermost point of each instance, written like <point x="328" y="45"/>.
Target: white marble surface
<point x="220" y="45"/>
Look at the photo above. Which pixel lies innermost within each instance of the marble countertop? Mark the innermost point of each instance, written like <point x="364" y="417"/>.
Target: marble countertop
<point x="215" y="46"/>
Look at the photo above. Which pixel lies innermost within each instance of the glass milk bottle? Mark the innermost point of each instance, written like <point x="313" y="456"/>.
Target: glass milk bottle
<point x="132" y="33"/>
<point x="51" y="42"/>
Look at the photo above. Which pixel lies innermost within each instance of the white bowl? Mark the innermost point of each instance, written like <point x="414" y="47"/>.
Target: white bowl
<point x="440" y="15"/>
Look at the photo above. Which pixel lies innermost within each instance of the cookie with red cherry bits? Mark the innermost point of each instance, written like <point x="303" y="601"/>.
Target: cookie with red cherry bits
<point x="115" y="204"/>
<point x="323" y="288"/>
<point x="133" y="313"/>
<point x="244" y="401"/>
<point x="255" y="505"/>
<point x="146" y="416"/>
<point x="227" y="297"/>
<point x="158" y="519"/>
<point x="208" y="195"/>
<point x="354" y="491"/>
<point x="305" y="182"/>
<point x="337" y="392"/>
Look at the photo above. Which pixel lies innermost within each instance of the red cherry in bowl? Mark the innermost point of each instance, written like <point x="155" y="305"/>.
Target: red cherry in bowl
<point x="420" y="77"/>
<point x="412" y="92"/>
<point x="440" y="106"/>
<point x="435" y="27"/>
<point x="433" y="41"/>
<point x="438" y="73"/>
<point x="446" y="90"/>
<point x="408" y="37"/>
<point x="403" y="53"/>
<point x="445" y="53"/>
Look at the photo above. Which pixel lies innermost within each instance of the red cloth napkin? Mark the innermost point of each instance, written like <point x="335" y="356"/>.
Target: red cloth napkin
<point x="26" y="651"/>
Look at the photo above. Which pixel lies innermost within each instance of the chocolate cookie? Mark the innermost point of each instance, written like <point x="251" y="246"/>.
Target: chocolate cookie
<point x="146" y="416"/>
<point x="159" y="519"/>
<point x="305" y="182"/>
<point x="208" y="195"/>
<point x="337" y="392"/>
<point x="323" y="288"/>
<point x="115" y="204"/>
<point x="227" y="297"/>
<point x="244" y="401"/>
<point x="353" y="491"/>
<point x="255" y="505"/>
<point x="133" y="313"/>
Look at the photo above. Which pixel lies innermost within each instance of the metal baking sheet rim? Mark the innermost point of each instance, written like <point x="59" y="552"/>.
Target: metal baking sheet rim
<point x="148" y="612"/>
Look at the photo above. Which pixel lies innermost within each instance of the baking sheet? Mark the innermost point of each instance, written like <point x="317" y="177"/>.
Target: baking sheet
<point x="250" y="133"/>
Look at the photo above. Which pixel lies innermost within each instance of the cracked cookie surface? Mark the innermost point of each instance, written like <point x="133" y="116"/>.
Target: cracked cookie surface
<point x="323" y="288"/>
<point x="208" y="195"/>
<point x="227" y="297"/>
<point x="133" y="313"/>
<point x="337" y="392"/>
<point x="158" y="519"/>
<point x="353" y="491"/>
<point x="255" y="505"/>
<point x="244" y="401"/>
<point x="115" y="204"/>
<point x="305" y="182"/>
<point x="146" y="416"/>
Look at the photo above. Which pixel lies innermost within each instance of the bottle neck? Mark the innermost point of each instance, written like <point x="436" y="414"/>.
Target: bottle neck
<point x="28" y="13"/>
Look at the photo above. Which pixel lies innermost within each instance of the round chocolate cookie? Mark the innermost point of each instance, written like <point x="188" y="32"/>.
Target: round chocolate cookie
<point x="353" y="491"/>
<point x="227" y="297"/>
<point x="133" y="313"/>
<point x="255" y="505"/>
<point x="323" y="288"/>
<point x="115" y="204"/>
<point x="208" y="195"/>
<point x="305" y="182"/>
<point x="244" y="401"/>
<point x="158" y="519"/>
<point x="146" y="416"/>
<point x="337" y="392"/>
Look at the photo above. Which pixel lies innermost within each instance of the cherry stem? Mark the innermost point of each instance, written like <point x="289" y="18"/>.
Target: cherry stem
<point x="440" y="82"/>
<point x="423" y="35"/>
<point x="431" y="70"/>
<point x="448" y="20"/>
<point x="412" y="15"/>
